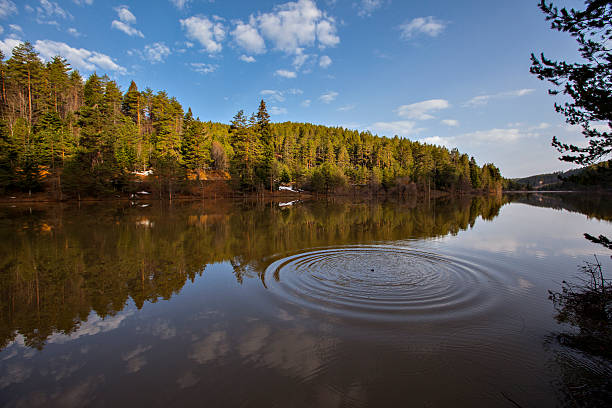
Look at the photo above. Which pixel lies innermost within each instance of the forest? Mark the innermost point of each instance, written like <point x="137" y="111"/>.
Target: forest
<point x="594" y="177"/>
<point x="72" y="137"/>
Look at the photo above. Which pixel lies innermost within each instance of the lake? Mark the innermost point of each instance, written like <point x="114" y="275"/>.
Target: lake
<point x="297" y="304"/>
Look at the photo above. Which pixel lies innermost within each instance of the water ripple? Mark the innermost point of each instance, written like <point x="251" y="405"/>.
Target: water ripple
<point x="382" y="282"/>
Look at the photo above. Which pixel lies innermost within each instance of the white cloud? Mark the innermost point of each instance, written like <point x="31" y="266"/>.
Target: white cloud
<point x="247" y="58"/>
<point x="7" y="8"/>
<point x="103" y="61"/>
<point x="180" y="4"/>
<point x="422" y="25"/>
<point x="203" y="68"/>
<point x="478" y="100"/>
<point x="275" y="110"/>
<point x="520" y="92"/>
<point x="367" y="7"/>
<point x="326" y="33"/>
<point x="15" y="27"/>
<point x="346" y="108"/>
<point x="7" y="46"/>
<point x="325" y="61"/>
<point x="328" y="97"/>
<point x="48" y="10"/>
<point x="600" y="127"/>
<point x="439" y="141"/>
<point x="290" y="27"/>
<point x="126" y="19"/>
<point x="247" y="37"/>
<point x="273" y="95"/>
<point x="79" y="58"/>
<point x="421" y="110"/>
<point x="285" y="74"/>
<point x="280" y="96"/>
<point x="541" y="126"/>
<point x="81" y="2"/>
<point x="496" y="135"/>
<point x="125" y="15"/>
<point x="400" y="128"/>
<point x="209" y="34"/>
<point x="509" y="135"/>
<point x="156" y="52"/>
<point x="126" y="28"/>
<point x="1" y="29"/>
<point x="74" y="32"/>
<point x="306" y="103"/>
<point x="484" y="99"/>
<point x="451" y="122"/>
<point x="300" y="59"/>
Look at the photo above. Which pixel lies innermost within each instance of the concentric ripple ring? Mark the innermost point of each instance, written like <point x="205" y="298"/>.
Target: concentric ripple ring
<point x="381" y="282"/>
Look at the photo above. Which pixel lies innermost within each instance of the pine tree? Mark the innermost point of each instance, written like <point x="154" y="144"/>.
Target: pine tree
<point x="26" y="68"/>
<point x="131" y="105"/>
<point x="475" y="174"/>
<point x="247" y="150"/>
<point x="112" y="101"/>
<point x="586" y="83"/>
<point x="57" y="73"/>
<point x="196" y="146"/>
<point x="266" y="170"/>
<point x="165" y="118"/>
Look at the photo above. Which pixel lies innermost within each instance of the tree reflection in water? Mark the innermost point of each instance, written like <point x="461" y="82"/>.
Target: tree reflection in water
<point x="59" y="264"/>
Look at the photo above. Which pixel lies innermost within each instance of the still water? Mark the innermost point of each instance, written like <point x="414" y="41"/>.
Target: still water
<point x="320" y="303"/>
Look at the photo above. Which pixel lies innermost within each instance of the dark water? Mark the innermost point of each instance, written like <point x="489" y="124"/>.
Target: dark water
<point x="311" y="304"/>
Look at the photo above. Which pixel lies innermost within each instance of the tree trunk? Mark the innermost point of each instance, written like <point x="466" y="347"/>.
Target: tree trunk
<point x="30" y="98"/>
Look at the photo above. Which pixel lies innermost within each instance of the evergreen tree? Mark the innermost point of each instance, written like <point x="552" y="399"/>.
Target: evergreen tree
<point x="131" y="105"/>
<point x="196" y="146"/>
<point x="57" y="73"/>
<point x="267" y="170"/>
<point x="586" y="83"/>
<point x="247" y="150"/>
<point x="26" y="68"/>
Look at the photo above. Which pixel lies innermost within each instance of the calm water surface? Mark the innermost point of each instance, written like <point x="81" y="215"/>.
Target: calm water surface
<point x="311" y="304"/>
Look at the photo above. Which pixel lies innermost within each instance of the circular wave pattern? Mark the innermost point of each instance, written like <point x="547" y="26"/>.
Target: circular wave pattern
<point x="381" y="282"/>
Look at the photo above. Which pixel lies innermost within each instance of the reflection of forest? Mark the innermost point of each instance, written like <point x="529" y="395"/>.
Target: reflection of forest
<point x="58" y="264"/>
<point x="591" y="204"/>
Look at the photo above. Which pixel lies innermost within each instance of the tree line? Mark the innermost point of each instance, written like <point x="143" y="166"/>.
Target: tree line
<point x="70" y="136"/>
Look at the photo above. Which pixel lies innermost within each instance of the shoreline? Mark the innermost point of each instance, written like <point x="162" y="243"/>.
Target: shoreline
<point x="44" y="197"/>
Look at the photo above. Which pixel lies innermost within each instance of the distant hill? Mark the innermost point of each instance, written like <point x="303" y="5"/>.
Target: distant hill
<point x="540" y="181"/>
<point x="593" y="205"/>
<point x="598" y="176"/>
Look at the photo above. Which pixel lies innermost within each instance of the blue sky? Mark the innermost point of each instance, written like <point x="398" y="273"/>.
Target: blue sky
<point x="451" y="72"/>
